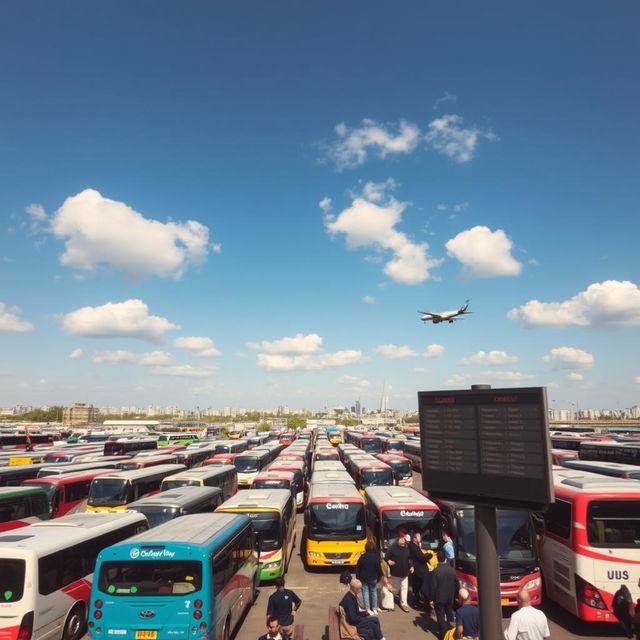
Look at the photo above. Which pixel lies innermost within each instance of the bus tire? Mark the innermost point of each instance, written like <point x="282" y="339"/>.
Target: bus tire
<point x="76" y="623"/>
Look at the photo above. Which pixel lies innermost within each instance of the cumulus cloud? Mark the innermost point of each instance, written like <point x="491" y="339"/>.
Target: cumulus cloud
<point x="489" y="358"/>
<point x="37" y="212"/>
<point x="368" y="299"/>
<point x="198" y="346"/>
<point x="366" y="223"/>
<point x="117" y="356"/>
<point x="421" y="370"/>
<point x="575" y="376"/>
<point x="300" y="344"/>
<point x="456" y="379"/>
<point x="569" y="358"/>
<point x="433" y="351"/>
<point x="325" y="204"/>
<point x="376" y="191"/>
<point x="354" y="382"/>
<point x="155" y="358"/>
<point x="11" y="322"/>
<point x="282" y="363"/>
<point x="395" y="352"/>
<point x="98" y="230"/>
<point x="611" y="304"/>
<point x="184" y="371"/>
<point x="76" y="353"/>
<point x="448" y="135"/>
<point x="353" y="145"/>
<point x="128" y="319"/>
<point x="506" y="376"/>
<point x="484" y="253"/>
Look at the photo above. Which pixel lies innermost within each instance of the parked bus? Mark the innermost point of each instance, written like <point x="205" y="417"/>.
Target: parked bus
<point x="324" y="453"/>
<point x="392" y="511"/>
<point x="612" y="469"/>
<point x="143" y="462"/>
<point x="558" y="456"/>
<point x="287" y="438"/>
<point x="623" y="452"/>
<point x="413" y="451"/>
<point x="71" y="454"/>
<point x="273" y="517"/>
<point x="219" y="459"/>
<point x="68" y="492"/>
<point x="364" y="441"/>
<point x="590" y="544"/>
<point x="229" y="446"/>
<point x="249" y="464"/>
<point x="194" y="457"/>
<point x="20" y="441"/>
<point x="400" y="466"/>
<point x="114" y="491"/>
<point x="181" y="501"/>
<point x="46" y="575"/>
<point x="517" y="551"/>
<point x="124" y="446"/>
<point x="15" y="476"/>
<point x="393" y="446"/>
<point x="335" y="525"/>
<point x="371" y="473"/>
<point x="300" y="484"/>
<point x="275" y="480"/>
<point x="46" y="470"/>
<point x="224" y="478"/>
<point x="331" y="477"/>
<point x="166" y="439"/>
<point x="20" y="506"/>
<point x="197" y="574"/>
<point x="334" y="437"/>
<point x="257" y="440"/>
<point x="328" y="465"/>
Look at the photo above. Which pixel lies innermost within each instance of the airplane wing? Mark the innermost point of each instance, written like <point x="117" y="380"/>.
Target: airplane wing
<point x="428" y="313"/>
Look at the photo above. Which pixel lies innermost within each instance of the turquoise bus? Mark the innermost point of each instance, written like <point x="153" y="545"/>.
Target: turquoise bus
<point x="192" y="577"/>
<point x="273" y="515"/>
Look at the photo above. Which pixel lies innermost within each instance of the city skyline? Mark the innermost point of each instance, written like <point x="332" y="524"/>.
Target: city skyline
<point x="234" y="209"/>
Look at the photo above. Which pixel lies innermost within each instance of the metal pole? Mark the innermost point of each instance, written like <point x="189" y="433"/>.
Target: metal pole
<point x="488" y="573"/>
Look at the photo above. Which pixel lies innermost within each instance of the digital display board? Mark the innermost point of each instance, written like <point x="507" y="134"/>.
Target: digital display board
<point x="488" y="446"/>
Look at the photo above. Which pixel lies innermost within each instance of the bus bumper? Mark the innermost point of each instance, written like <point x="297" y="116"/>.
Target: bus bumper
<point x="508" y="590"/>
<point x="271" y="570"/>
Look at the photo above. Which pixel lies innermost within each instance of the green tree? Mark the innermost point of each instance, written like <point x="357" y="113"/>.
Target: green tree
<point x="296" y="422"/>
<point x="263" y="426"/>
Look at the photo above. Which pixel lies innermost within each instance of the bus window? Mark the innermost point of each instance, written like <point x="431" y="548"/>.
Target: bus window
<point x="12" y="579"/>
<point x="614" y="523"/>
<point x="157" y="578"/>
<point x="267" y="526"/>
<point x="107" y="492"/>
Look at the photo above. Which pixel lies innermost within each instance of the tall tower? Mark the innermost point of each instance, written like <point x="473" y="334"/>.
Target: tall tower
<point x="384" y="401"/>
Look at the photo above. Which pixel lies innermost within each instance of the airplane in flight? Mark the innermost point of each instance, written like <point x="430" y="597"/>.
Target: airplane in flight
<point x="445" y="316"/>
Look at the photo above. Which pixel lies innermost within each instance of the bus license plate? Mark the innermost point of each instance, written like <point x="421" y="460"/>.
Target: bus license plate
<point x="146" y="635"/>
<point x="504" y="602"/>
<point x="337" y="562"/>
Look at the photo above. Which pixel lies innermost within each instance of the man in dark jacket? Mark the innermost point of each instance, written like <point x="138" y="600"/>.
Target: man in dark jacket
<point x="400" y="567"/>
<point x="420" y="571"/>
<point x="364" y="623"/>
<point x="274" y="631"/>
<point x="445" y="587"/>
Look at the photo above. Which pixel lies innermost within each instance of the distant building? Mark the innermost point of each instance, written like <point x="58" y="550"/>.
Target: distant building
<point x="358" y="411"/>
<point x="80" y="413"/>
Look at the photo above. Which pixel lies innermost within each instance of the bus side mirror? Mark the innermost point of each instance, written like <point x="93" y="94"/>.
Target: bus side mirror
<point x="306" y="517"/>
<point x="538" y="523"/>
<point x="258" y="543"/>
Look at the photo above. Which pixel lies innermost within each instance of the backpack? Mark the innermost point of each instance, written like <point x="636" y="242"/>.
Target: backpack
<point x="345" y="577"/>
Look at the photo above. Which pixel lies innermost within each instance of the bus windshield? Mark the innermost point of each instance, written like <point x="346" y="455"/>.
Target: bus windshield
<point x="409" y="521"/>
<point x="267" y="525"/>
<point x="401" y="468"/>
<point x="167" y="485"/>
<point x="107" y="492"/>
<point x="614" y="523"/>
<point x="12" y="579"/>
<point x="159" y="515"/>
<point x="337" y="521"/>
<point x="246" y="465"/>
<point x="516" y="536"/>
<point x="372" y="445"/>
<point x="48" y="487"/>
<point x="376" y="477"/>
<point x="271" y="484"/>
<point x="150" y="578"/>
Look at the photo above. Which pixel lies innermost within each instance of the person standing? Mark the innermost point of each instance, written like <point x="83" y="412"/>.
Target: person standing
<point x="445" y="587"/>
<point x="368" y="571"/>
<point x="447" y="545"/>
<point x="420" y="570"/>
<point x="400" y="567"/>
<point x="467" y="617"/>
<point x="364" y="623"/>
<point x="274" y="631"/>
<point x="282" y="606"/>
<point x="527" y="623"/>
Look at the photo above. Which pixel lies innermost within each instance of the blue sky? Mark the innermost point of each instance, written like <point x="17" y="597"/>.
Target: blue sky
<point x="505" y="137"/>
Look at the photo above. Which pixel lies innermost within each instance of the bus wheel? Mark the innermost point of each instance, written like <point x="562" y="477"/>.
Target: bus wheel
<point x="75" y="625"/>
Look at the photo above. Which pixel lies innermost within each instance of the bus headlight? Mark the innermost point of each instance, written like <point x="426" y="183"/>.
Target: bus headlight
<point x="272" y="565"/>
<point x="533" y="584"/>
<point x="314" y="554"/>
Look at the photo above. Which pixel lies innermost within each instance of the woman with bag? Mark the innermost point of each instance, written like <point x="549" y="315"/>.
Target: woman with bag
<point x="368" y="571"/>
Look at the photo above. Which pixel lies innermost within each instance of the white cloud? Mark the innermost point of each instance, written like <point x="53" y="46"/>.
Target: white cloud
<point x="325" y="204"/>
<point x="394" y="352"/>
<point x="282" y="363"/>
<point x="456" y="379"/>
<point x="460" y="207"/>
<point x="445" y="97"/>
<point x="421" y="370"/>
<point x="353" y="145"/>
<point x="611" y="304"/>
<point x="128" y="319"/>
<point x="198" y="346"/>
<point x="76" y="353"/>
<point x="441" y="206"/>
<point x="11" y="322"/>
<point x="184" y="371"/>
<point x="569" y="358"/>
<point x="489" y="358"/>
<point x="155" y="358"/>
<point x="373" y="224"/>
<point x="117" y="356"/>
<point x="375" y="191"/>
<point x="354" y="383"/>
<point x="433" y="351"/>
<point x="484" y="253"/>
<point x="506" y="376"/>
<point x="574" y="375"/>
<point x="240" y="354"/>
<point x="368" y="299"/>
<point x="37" y="212"/>
<point x="300" y="344"/>
<point x="98" y="230"/>
<point x="448" y="136"/>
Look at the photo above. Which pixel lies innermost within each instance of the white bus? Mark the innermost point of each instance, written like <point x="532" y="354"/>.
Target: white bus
<point x="47" y="570"/>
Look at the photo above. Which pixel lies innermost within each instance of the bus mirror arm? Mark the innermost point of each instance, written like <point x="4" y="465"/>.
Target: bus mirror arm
<point x="258" y="543"/>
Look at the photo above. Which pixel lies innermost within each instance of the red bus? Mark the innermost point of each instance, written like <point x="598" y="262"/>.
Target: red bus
<point x="400" y="466"/>
<point x="287" y="438"/>
<point x="220" y="458"/>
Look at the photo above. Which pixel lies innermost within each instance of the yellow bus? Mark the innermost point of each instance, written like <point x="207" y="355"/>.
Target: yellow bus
<point x="335" y="525"/>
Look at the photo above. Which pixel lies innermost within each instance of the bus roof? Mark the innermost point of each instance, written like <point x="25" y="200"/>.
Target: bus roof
<point x="596" y="464"/>
<point x="334" y="493"/>
<point x="370" y="464"/>
<point x="51" y="535"/>
<point x="18" y="491"/>
<point x="250" y="499"/>
<point x="286" y="464"/>
<point x="331" y="477"/>
<point x="589" y="483"/>
<point x="176" y="497"/>
<point x="274" y="475"/>
<point x="202" y="472"/>
<point x="383" y="498"/>
<point x="134" y="474"/>
<point x="68" y="478"/>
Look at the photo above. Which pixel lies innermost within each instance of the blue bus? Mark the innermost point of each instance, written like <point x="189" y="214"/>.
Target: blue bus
<point x="192" y="577"/>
